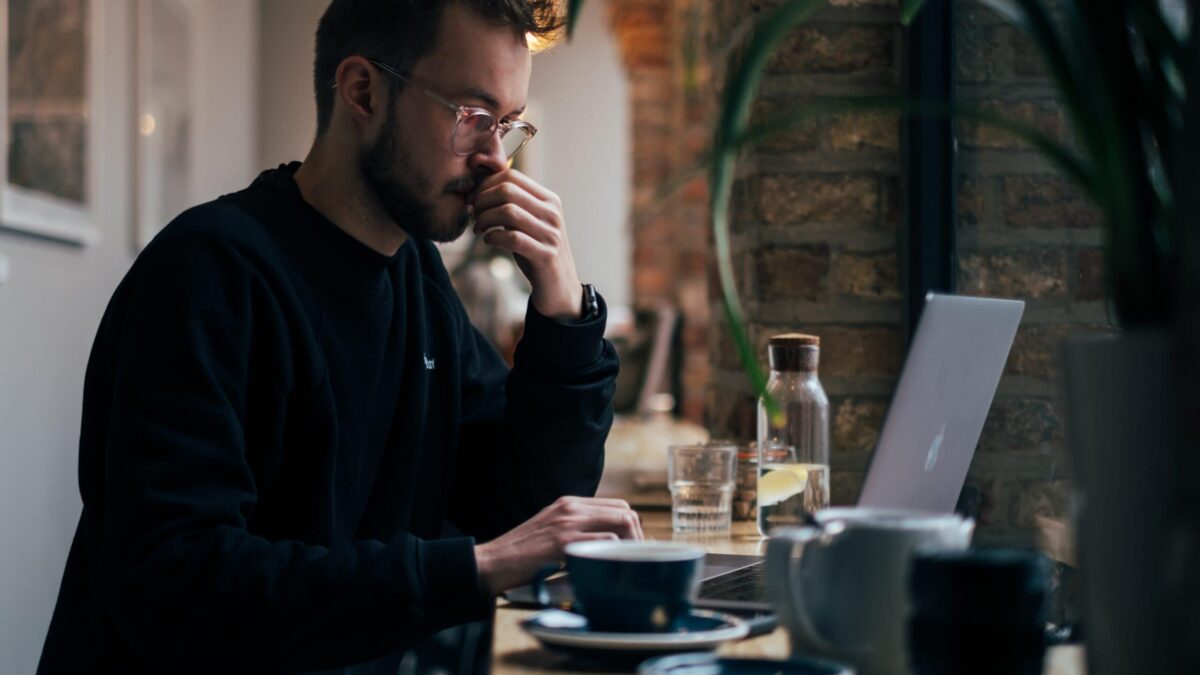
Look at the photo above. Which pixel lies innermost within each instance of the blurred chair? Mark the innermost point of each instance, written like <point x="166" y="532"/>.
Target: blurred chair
<point x="651" y="360"/>
<point x="647" y="403"/>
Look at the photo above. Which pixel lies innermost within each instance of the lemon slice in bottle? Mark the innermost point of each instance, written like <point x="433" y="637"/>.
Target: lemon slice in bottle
<point x="780" y="484"/>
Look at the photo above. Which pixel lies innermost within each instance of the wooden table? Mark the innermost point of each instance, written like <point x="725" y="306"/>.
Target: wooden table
<point x="515" y="651"/>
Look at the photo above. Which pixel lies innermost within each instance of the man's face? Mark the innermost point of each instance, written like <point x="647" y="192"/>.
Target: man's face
<point x="421" y="183"/>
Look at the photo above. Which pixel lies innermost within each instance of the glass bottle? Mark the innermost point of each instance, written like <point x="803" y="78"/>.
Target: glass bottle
<point x="793" y="446"/>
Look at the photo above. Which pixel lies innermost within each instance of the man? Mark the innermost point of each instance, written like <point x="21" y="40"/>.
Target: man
<point x="286" y="405"/>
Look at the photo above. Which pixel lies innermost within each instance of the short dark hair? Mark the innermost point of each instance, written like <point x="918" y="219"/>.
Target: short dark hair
<point x="400" y="32"/>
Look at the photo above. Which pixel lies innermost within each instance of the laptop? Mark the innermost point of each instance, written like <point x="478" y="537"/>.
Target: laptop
<point x="928" y="438"/>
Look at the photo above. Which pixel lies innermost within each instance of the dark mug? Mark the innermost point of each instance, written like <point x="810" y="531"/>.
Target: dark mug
<point x="981" y="611"/>
<point x="633" y="586"/>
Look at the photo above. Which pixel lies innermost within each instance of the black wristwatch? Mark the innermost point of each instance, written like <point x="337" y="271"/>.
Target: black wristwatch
<point x="591" y="303"/>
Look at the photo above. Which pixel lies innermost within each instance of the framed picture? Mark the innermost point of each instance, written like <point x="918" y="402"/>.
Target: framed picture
<point x="165" y="101"/>
<point x="49" y="75"/>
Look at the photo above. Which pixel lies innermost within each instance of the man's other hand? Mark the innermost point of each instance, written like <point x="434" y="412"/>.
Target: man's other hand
<point x="513" y="558"/>
<point x="513" y="212"/>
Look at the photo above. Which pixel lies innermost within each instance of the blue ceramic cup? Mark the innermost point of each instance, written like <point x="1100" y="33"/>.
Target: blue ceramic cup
<point x="634" y="586"/>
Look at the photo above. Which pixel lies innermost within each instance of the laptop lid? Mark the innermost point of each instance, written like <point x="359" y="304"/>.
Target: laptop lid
<point x="946" y="388"/>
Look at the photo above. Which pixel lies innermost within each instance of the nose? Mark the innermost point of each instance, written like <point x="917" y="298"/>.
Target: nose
<point x="490" y="158"/>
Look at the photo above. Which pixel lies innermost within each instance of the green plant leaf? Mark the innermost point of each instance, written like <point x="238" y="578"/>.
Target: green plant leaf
<point x="574" y="10"/>
<point x="909" y="10"/>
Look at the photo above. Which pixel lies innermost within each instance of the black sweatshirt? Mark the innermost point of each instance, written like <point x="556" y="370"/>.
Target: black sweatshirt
<point x="278" y="422"/>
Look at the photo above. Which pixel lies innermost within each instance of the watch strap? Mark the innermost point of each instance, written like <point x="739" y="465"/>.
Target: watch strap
<point x="591" y="303"/>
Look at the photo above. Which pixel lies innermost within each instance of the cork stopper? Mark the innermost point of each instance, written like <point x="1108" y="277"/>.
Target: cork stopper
<point x="794" y="352"/>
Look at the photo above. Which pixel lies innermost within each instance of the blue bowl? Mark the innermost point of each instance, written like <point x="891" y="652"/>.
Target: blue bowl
<point x="634" y="586"/>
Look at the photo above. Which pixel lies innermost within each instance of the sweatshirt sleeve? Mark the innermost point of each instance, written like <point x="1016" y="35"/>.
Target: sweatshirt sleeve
<point x="183" y="579"/>
<point x="537" y="432"/>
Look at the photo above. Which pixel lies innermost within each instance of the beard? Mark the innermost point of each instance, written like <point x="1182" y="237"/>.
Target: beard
<point x="398" y="186"/>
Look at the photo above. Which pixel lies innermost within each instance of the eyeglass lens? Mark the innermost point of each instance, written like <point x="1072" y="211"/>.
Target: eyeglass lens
<point x="476" y="131"/>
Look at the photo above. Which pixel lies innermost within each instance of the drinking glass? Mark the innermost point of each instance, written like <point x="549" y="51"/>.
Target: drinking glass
<point x="701" y="478"/>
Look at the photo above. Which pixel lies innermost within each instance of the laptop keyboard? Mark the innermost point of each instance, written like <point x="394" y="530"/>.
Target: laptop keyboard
<point x="748" y="584"/>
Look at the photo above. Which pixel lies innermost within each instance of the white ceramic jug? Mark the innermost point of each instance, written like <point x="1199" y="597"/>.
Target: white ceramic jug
<point x="841" y="589"/>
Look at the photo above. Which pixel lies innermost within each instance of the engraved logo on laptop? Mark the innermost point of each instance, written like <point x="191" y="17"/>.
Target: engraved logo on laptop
<point x="429" y="363"/>
<point x="934" y="448"/>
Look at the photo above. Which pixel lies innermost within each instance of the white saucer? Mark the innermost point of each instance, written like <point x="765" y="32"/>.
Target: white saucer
<point x="701" y="630"/>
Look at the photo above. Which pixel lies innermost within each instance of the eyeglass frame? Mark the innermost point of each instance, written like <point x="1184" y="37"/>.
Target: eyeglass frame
<point x="463" y="112"/>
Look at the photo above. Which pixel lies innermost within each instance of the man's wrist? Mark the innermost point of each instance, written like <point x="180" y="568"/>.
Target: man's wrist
<point x="565" y="308"/>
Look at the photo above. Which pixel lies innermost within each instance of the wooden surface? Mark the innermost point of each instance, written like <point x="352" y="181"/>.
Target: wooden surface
<point x="515" y="651"/>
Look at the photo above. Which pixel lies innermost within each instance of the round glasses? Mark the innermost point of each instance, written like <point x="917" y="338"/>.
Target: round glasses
<point x="474" y="128"/>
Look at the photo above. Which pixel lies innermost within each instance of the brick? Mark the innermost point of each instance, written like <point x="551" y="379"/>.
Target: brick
<point x="877" y="130"/>
<point x="1034" y="352"/>
<point x="695" y="334"/>
<point x="693" y="303"/>
<point x="836" y="49"/>
<point x="645" y="46"/>
<point x="693" y="263"/>
<point x="791" y="272"/>
<point x="973" y="14"/>
<point x="743" y="271"/>
<point x="694" y="404"/>
<point x="870" y="276"/>
<point x="801" y="138"/>
<point x="1020" y="424"/>
<point x="1091" y="282"/>
<point x="844" y="487"/>
<point x="1042" y="114"/>
<point x="651" y="282"/>
<point x="860" y="350"/>
<point x="725" y="353"/>
<point x="971" y="203"/>
<point x="1047" y="499"/>
<point x="732" y="415"/>
<point x="743" y="204"/>
<point x="845" y="199"/>
<point x="624" y="15"/>
<point x="1027" y="59"/>
<point x="891" y="217"/>
<point x="1025" y="273"/>
<point x="1035" y="349"/>
<point x="977" y="499"/>
<point x="984" y="54"/>
<point x="856" y="423"/>
<point x="1047" y="202"/>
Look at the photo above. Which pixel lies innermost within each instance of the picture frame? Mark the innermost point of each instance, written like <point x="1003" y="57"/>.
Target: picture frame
<point x="165" y="94"/>
<point x="50" y="73"/>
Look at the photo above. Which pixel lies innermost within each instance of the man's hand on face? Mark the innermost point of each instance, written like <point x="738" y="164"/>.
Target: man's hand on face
<point x="516" y="214"/>
<point x="513" y="558"/>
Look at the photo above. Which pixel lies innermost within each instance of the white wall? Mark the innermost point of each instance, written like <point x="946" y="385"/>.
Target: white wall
<point x="52" y="302"/>
<point x="582" y="150"/>
<point x="288" y="117"/>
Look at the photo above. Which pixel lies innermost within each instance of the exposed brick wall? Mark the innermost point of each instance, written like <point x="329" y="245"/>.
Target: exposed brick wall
<point x="670" y="234"/>
<point x="817" y="229"/>
<point x="816" y="226"/>
<point x="1023" y="231"/>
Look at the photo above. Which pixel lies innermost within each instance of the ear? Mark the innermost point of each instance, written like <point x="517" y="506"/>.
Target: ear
<point x="359" y="88"/>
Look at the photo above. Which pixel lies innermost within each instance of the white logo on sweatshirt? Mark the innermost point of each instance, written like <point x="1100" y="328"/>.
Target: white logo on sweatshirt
<point x="429" y="363"/>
